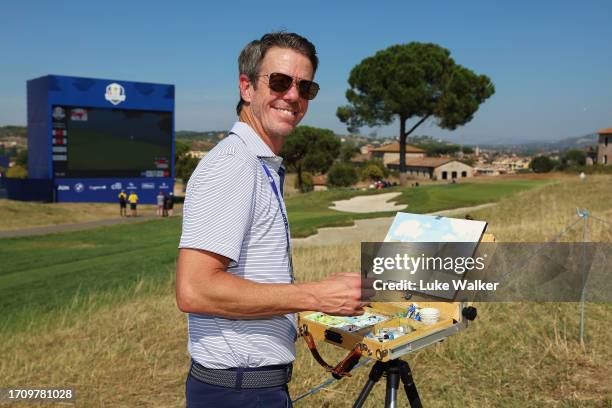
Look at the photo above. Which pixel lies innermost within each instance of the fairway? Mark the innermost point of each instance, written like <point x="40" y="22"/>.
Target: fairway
<point x="311" y="211"/>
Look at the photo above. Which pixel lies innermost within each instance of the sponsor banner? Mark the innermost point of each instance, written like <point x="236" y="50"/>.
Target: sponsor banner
<point x="59" y="157"/>
<point x="60" y="149"/>
<point x="107" y="189"/>
<point x="60" y="141"/>
<point x="60" y="132"/>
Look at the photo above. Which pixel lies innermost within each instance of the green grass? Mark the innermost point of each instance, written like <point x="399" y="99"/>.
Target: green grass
<point x="43" y="274"/>
<point x="47" y="273"/>
<point x="309" y="212"/>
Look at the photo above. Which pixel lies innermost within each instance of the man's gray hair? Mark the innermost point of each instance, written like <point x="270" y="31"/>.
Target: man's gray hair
<point x="251" y="57"/>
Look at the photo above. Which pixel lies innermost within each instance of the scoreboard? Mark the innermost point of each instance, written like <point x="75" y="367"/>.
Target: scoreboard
<point x="96" y="137"/>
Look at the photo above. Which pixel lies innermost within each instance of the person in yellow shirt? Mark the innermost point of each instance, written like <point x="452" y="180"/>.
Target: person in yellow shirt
<point x="133" y="200"/>
<point x="122" y="204"/>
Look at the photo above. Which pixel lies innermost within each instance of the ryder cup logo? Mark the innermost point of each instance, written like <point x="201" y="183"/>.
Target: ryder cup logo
<point x="79" y="187"/>
<point x="115" y="94"/>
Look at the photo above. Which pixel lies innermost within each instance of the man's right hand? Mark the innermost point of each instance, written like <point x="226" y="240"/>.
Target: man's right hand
<point x="339" y="295"/>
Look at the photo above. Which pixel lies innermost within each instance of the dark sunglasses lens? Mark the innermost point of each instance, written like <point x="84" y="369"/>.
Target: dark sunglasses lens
<point x="308" y="89"/>
<point x="280" y="82"/>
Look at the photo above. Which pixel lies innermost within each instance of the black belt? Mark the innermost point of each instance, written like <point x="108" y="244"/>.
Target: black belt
<point x="241" y="377"/>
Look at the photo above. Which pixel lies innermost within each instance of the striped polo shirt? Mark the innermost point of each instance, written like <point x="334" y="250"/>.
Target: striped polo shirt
<point x="230" y="209"/>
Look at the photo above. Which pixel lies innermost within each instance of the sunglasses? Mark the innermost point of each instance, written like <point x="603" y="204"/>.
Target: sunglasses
<point x="282" y="82"/>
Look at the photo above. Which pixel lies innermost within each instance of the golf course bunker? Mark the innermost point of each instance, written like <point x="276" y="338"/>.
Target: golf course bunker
<point x="368" y="204"/>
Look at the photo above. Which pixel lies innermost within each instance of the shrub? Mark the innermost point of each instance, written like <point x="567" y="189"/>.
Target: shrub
<point x="342" y="175"/>
<point x="542" y="164"/>
<point x="372" y="172"/>
<point x="307" y="183"/>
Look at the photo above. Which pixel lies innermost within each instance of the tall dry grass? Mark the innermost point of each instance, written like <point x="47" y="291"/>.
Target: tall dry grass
<point x="17" y="215"/>
<point x="133" y="354"/>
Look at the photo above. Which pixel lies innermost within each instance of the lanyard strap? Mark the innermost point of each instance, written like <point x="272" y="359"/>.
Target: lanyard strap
<point x="280" y="206"/>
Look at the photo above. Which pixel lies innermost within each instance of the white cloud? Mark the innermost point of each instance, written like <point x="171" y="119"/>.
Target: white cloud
<point x="410" y="229"/>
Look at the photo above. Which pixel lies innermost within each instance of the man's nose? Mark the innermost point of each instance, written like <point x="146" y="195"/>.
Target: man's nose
<point x="292" y="93"/>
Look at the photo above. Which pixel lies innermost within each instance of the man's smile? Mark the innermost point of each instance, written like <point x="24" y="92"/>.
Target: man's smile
<point x="286" y="111"/>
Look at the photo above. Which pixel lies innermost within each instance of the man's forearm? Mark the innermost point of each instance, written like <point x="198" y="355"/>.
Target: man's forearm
<point x="204" y="286"/>
<point x="230" y="296"/>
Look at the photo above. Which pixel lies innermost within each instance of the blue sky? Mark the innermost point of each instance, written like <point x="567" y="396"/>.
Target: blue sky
<point x="551" y="61"/>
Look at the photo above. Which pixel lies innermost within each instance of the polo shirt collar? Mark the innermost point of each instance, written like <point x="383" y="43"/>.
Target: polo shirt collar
<point x="252" y="140"/>
<point x="256" y="145"/>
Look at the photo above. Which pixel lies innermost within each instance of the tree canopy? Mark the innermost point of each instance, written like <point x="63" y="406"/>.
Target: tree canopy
<point x="542" y="164"/>
<point x="184" y="164"/>
<point x="342" y="175"/>
<point x="412" y="81"/>
<point x="310" y="149"/>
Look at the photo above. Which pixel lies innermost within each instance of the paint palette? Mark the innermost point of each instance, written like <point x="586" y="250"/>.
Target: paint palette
<point x="348" y="323"/>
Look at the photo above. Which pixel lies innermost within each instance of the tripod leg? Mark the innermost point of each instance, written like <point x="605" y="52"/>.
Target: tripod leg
<point x="375" y="373"/>
<point x="409" y="385"/>
<point x="393" y="380"/>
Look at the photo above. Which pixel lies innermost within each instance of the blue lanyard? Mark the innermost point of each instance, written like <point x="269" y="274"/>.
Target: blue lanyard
<point x="285" y="220"/>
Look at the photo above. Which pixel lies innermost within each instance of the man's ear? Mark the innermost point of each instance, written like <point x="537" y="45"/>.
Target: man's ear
<point x="245" y="88"/>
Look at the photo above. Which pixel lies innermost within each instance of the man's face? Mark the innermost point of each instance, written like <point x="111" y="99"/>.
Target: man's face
<point x="279" y="113"/>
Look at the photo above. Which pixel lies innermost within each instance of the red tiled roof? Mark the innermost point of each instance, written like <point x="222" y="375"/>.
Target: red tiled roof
<point x="431" y="162"/>
<point x="395" y="148"/>
<point x="607" y="131"/>
<point x="360" y="158"/>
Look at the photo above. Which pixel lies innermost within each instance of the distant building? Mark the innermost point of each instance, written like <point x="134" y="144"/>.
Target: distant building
<point x="319" y="183"/>
<point x="487" y="170"/>
<point x="511" y="164"/>
<point x="435" y="168"/>
<point x="604" y="147"/>
<point x="390" y="153"/>
<point x="198" y="154"/>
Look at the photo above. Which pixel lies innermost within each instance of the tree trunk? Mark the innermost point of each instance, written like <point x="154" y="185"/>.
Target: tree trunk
<point x="299" y="178"/>
<point x="402" y="151"/>
<point x="403" y="137"/>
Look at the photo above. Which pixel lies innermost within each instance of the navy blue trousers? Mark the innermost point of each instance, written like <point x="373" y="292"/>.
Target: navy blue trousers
<point x="202" y="395"/>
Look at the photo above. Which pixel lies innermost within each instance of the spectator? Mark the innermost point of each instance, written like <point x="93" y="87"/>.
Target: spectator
<point x="133" y="200"/>
<point x="122" y="204"/>
<point x="161" y="203"/>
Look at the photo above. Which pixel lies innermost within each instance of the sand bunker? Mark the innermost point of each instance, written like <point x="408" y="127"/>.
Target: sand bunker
<point x="369" y="203"/>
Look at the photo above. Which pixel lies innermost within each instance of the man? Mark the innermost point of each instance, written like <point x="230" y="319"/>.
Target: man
<point x="234" y="274"/>
<point x="169" y="205"/>
<point x="122" y="204"/>
<point x="133" y="200"/>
